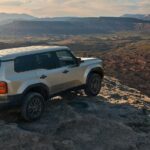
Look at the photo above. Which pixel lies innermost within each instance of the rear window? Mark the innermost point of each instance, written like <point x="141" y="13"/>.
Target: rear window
<point x="25" y="63"/>
<point x="37" y="61"/>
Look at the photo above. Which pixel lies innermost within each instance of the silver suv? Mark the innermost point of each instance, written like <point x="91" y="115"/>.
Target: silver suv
<point x="31" y="75"/>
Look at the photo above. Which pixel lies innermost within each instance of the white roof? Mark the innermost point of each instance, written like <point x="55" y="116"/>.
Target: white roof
<point x="12" y="53"/>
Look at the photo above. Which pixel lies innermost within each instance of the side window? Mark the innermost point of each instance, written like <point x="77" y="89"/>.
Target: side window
<point x="65" y="58"/>
<point x="37" y="61"/>
<point x="25" y="63"/>
<point x="47" y="60"/>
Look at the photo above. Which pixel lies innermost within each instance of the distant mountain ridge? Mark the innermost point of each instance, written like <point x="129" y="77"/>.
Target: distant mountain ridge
<point x="138" y="16"/>
<point x="6" y="18"/>
<point x="75" y="26"/>
<point x="24" y="25"/>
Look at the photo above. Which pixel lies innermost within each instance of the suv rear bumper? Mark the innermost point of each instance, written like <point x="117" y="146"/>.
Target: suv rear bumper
<point x="14" y="100"/>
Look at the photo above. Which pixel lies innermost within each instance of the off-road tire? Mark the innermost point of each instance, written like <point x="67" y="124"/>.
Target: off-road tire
<point x="93" y="84"/>
<point x="33" y="106"/>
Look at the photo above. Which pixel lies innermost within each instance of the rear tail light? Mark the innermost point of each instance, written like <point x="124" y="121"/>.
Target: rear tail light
<point x="3" y="88"/>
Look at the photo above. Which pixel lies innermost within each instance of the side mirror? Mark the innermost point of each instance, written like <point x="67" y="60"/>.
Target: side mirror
<point x="79" y="61"/>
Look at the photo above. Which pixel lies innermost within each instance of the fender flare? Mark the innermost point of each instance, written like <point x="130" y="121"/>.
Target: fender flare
<point x="97" y="69"/>
<point x="36" y="86"/>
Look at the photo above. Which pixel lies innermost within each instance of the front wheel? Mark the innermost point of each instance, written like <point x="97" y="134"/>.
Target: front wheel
<point x="93" y="84"/>
<point x="32" y="107"/>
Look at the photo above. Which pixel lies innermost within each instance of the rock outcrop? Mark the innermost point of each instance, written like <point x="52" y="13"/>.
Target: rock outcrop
<point x="117" y="119"/>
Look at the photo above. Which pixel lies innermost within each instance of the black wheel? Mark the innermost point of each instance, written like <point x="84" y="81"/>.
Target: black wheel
<point x="32" y="107"/>
<point x="93" y="84"/>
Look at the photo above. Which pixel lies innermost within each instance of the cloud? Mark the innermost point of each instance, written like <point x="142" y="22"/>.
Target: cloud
<point x="52" y="8"/>
<point x="10" y="3"/>
<point x="13" y="3"/>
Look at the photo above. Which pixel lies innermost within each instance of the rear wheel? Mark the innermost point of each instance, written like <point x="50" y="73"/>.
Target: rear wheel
<point x="32" y="107"/>
<point x="93" y="84"/>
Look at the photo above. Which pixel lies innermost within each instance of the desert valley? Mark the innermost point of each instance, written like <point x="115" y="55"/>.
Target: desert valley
<point x="119" y="115"/>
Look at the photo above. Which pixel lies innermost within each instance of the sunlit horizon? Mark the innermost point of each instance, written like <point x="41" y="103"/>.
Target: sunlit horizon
<point x="75" y="8"/>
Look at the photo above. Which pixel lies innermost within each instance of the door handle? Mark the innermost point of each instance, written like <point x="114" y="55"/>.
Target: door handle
<point x="65" y="71"/>
<point x="43" y="76"/>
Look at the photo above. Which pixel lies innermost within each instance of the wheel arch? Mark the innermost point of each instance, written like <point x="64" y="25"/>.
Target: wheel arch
<point x="39" y="88"/>
<point x="97" y="70"/>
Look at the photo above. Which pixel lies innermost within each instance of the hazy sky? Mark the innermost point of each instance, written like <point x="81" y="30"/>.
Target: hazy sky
<point x="51" y="8"/>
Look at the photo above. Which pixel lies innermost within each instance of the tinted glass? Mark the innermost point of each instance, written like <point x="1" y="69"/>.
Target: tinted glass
<point x="38" y="61"/>
<point x="47" y="61"/>
<point x="25" y="63"/>
<point x="65" y="58"/>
